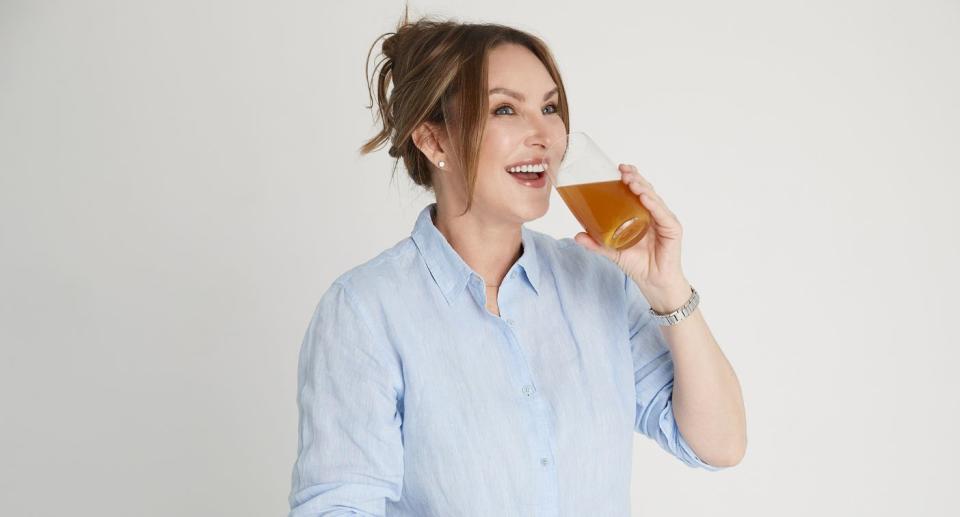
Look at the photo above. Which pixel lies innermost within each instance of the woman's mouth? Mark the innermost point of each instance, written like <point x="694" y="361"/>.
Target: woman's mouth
<point x="531" y="175"/>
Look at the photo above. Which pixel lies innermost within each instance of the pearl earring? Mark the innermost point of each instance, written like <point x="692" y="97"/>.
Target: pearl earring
<point x="441" y="163"/>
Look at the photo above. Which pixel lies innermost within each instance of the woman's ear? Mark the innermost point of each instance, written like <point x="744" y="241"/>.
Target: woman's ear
<point x="428" y="139"/>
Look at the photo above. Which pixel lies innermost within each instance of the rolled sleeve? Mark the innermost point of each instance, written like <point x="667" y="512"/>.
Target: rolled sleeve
<point x="653" y="378"/>
<point x="350" y="448"/>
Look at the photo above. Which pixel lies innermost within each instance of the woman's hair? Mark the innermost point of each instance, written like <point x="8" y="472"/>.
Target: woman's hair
<point x="439" y="75"/>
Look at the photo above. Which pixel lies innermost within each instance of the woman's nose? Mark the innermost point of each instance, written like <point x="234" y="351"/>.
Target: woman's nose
<point x="540" y="135"/>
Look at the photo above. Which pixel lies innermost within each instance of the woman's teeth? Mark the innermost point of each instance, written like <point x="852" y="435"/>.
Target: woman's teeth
<point x="540" y="167"/>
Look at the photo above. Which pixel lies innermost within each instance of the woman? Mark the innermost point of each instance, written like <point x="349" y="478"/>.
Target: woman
<point x="482" y="368"/>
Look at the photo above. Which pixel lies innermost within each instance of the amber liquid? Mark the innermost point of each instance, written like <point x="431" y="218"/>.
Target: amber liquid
<point x="608" y="211"/>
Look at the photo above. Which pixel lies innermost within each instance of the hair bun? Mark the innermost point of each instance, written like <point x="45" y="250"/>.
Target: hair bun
<point x="389" y="47"/>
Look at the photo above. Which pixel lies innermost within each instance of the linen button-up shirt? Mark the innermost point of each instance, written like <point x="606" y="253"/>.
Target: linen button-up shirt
<point x="415" y="400"/>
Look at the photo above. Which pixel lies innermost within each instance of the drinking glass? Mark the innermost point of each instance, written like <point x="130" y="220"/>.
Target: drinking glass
<point x="589" y="183"/>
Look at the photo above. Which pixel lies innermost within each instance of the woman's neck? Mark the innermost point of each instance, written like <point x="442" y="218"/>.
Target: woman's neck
<point x="489" y="248"/>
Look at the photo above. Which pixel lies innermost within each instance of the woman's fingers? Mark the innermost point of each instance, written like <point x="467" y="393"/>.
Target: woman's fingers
<point x="630" y="174"/>
<point x="649" y="197"/>
<point x="639" y="187"/>
<point x="657" y="208"/>
<point x="585" y="240"/>
<point x="648" y="194"/>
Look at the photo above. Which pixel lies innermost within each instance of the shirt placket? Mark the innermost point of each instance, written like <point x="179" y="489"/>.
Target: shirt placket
<point x="544" y="454"/>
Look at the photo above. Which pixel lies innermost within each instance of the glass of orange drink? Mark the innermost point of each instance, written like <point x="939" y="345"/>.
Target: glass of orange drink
<point x="589" y="183"/>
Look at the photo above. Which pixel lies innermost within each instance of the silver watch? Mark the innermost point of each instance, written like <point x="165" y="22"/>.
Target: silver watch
<point x="677" y="316"/>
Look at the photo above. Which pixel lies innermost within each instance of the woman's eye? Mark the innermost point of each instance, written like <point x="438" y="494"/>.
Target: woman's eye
<point x="550" y="109"/>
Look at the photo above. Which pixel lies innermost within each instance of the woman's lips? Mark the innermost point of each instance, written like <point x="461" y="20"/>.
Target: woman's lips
<point x="530" y="179"/>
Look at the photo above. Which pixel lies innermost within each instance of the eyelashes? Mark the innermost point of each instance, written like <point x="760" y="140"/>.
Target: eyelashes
<point x="496" y="112"/>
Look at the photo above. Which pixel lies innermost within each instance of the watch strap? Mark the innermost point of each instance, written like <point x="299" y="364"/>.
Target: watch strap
<point x="678" y="315"/>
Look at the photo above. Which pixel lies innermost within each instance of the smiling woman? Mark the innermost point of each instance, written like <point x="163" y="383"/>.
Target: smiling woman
<point x="439" y="72"/>
<point x="478" y="367"/>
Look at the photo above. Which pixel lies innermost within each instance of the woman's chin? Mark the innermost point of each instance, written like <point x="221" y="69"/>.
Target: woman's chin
<point x="533" y="211"/>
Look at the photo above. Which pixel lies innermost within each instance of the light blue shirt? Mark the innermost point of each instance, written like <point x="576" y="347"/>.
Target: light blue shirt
<point x="415" y="400"/>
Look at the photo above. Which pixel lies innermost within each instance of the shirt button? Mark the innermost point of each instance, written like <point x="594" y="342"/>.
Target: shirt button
<point x="510" y="322"/>
<point x="529" y="390"/>
<point x="544" y="461"/>
<point x="513" y="274"/>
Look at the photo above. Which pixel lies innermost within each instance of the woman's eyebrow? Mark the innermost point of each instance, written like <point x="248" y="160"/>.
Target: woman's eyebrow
<point x="519" y="96"/>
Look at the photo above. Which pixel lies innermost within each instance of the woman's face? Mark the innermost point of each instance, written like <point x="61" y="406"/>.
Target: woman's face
<point x="523" y="121"/>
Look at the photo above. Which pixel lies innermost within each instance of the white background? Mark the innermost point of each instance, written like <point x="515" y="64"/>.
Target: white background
<point x="180" y="182"/>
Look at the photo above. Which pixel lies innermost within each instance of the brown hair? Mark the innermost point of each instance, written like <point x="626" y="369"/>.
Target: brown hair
<point x="439" y="73"/>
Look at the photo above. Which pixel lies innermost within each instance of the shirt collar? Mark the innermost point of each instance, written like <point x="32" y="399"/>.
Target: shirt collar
<point x="446" y="266"/>
<point x="529" y="260"/>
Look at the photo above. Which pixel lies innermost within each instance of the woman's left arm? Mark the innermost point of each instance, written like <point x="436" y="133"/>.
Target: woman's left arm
<point x="707" y="401"/>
